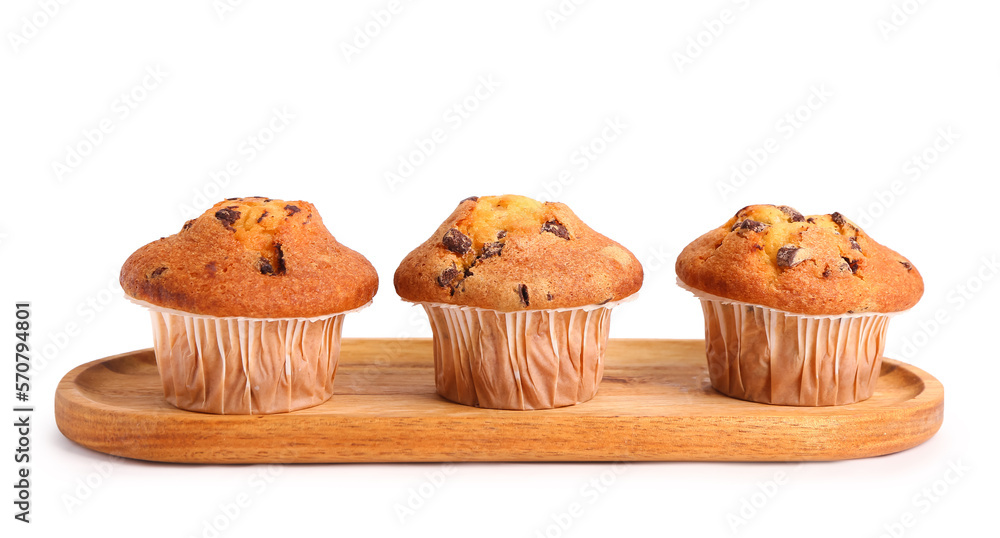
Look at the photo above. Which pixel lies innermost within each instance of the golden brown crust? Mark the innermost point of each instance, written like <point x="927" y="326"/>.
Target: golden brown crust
<point x="512" y="253"/>
<point x="817" y="265"/>
<point x="251" y="257"/>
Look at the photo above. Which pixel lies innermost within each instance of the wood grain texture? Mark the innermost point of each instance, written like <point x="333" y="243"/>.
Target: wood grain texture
<point x="655" y="404"/>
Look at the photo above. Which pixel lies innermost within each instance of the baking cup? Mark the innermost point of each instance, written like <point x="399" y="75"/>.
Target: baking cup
<point x="531" y="359"/>
<point x="245" y="366"/>
<point x="770" y="356"/>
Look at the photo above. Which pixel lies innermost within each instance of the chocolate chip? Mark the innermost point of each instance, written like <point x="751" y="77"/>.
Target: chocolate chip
<point x="157" y="272"/>
<point x="473" y="198"/>
<point x="456" y="242"/>
<point x="265" y="266"/>
<point x="854" y="244"/>
<point x="907" y="265"/>
<point x="791" y="212"/>
<point x="210" y="267"/>
<point x="501" y="234"/>
<point x="853" y="264"/>
<point x="467" y="272"/>
<point x="187" y="225"/>
<point x="757" y="247"/>
<point x="549" y="296"/>
<point x="231" y="199"/>
<point x="790" y="256"/>
<point x="838" y="218"/>
<point x="281" y="258"/>
<point x="522" y="290"/>
<point x="827" y="272"/>
<point x="556" y="228"/>
<point x="752" y="226"/>
<point x="292" y="209"/>
<point x="491" y="249"/>
<point x="811" y="220"/>
<point x="227" y="217"/>
<point x="447" y="276"/>
<point x="261" y="217"/>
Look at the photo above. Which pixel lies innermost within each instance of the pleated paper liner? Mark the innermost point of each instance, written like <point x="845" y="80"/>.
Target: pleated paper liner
<point x="766" y="355"/>
<point x="243" y="366"/>
<point x="532" y="359"/>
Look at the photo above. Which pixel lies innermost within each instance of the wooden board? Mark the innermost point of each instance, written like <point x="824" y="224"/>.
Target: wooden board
<point x="655" y="403"/>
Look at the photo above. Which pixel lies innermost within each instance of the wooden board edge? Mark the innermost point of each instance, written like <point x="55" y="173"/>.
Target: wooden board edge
<point x="924" y="412"/>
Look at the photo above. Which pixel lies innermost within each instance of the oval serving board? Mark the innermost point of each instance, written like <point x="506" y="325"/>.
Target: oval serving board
<point x="655" y="404"/>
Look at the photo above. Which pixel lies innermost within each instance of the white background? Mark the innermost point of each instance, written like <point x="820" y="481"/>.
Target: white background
<point x="888" y="78"/>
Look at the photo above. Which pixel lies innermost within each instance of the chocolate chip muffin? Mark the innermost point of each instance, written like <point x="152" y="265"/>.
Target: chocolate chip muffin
<point x="253" y="258"/>
<point x="247" y="303"/>
<point x="519" y="295"/>
<point x="796" y="306"/>
<point x="818" y="265"/>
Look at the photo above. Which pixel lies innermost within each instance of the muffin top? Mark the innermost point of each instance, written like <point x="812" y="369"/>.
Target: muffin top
<point x="251" y="257"/>
<point x="817" y="265"/>
<point x="512" y="253"/>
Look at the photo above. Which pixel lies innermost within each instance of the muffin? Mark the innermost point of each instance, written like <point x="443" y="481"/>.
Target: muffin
<point x="519" y="295"/>
<point x="247" y="303"/>
<point x="796" y="307"/>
